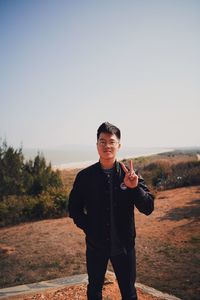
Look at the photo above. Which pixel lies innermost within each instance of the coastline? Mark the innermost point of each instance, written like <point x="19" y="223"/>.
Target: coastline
<point x="85" y="164"/>
<point x="74" y="165"/>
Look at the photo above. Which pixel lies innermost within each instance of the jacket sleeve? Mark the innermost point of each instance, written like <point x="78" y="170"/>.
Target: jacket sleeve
<point x="76" y="204"/>
<point x="143" y="199"/>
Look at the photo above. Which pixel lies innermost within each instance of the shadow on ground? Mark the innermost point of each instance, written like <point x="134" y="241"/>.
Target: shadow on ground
<point x="190" y="211"/>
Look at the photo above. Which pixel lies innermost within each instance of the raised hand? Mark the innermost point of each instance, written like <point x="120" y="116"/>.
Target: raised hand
<point x="130" y="179"/>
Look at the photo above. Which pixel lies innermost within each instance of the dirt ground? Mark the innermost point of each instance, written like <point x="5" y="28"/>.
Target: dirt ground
<point x="110" y="292"/>
<point x="168" y="241"/>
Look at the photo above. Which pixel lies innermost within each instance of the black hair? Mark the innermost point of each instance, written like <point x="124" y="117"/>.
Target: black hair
<point x="107" y="127"/>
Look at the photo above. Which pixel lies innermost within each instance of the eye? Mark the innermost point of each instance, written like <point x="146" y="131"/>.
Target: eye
<point x="102" y="143"/>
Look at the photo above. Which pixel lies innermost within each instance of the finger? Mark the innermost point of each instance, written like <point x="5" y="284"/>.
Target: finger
<point x="131" y="167"/>
<point x="133" y="177"/>
<point x="124" y="167"/>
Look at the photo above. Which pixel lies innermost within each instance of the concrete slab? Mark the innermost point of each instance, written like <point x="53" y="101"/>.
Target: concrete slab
<point x="28" y="289"/>
<point x="16" y="292"/>
<point x="151" y="291"/>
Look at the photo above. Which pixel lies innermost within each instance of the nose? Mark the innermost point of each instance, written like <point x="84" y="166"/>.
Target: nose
<point x="108" y="145"/>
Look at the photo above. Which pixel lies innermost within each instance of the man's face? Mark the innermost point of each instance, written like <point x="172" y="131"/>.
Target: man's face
<point x="107" y="146"/>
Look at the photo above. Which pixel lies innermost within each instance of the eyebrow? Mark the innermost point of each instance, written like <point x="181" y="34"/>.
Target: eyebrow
<point x="101" y="139"/>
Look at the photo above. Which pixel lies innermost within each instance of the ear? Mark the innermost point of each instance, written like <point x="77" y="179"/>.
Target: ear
<point x="119" y="146"/>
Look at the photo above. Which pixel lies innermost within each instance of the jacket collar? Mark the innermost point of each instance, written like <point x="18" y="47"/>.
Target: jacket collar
<point x="116" y="166"/>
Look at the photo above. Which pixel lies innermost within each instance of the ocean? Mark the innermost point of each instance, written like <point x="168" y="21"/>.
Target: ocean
<point x="78" y="155"/>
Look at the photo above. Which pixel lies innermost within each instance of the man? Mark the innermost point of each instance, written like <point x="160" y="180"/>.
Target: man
<point x="102" y="203"/>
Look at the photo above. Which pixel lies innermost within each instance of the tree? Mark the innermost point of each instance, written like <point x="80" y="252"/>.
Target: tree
<point x="40" y="176"/>
<point x="11" y="170"/>
<point x="18" y="177"/>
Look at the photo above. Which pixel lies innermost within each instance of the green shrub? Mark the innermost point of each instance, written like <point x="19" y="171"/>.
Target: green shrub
<point x="29" y="190"/>
<point x="162" y="175"/>
<point x="18" y="177"/>
<point x="11" y="208"/>
<point x="184" y="174"/>
<point x="17" y="209"/>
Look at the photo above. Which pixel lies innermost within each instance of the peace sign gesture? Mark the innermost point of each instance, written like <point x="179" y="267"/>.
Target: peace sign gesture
<point x="130" y="179"/>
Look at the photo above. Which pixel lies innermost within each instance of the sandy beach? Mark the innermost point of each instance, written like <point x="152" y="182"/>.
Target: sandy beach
<point x="84" y="164"/>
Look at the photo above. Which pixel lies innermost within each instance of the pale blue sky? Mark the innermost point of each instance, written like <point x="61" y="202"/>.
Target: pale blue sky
<point x="67" y="66"/>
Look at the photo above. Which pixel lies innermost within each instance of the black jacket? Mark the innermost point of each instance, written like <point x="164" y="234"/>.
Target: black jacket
<point x="89" y="205"/>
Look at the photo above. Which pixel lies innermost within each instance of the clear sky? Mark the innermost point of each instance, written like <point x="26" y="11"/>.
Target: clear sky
<point x="68" y="66"/>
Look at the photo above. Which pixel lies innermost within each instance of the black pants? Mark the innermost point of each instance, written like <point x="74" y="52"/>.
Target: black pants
<point x="124" y="266"/>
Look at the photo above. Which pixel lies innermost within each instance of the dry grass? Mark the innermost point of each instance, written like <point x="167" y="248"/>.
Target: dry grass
<point x="167" y="245"/>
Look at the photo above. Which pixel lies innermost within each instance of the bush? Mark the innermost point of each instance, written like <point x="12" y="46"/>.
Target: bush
<point x="17" y="209"/>
<point x="29" y="190"/>
<point x="18" y="177"/>
<point x="11" y="171"/>
<point x="184" y="174"/>
<point x="162" y="175"/>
